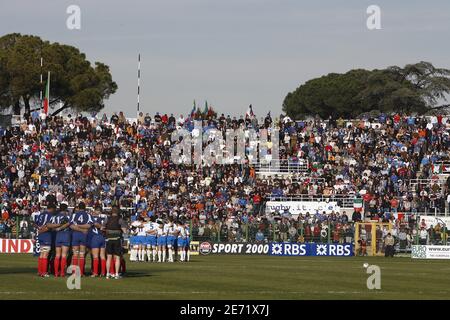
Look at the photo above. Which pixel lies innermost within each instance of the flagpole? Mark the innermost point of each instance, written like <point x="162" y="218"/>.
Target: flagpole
<point x="40" y="127"/>
<point x="137" y="126"/>
<point x="48" y="102"/>
<point x="40" y="93"/>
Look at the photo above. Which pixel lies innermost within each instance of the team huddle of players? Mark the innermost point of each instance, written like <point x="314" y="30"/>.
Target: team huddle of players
<point x="66" y="239"/>
<point x="154" y="240"/>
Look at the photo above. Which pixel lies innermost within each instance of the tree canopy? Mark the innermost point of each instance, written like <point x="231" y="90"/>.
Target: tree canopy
<point x="415" y="88"/>
<point x="75" y="83"/>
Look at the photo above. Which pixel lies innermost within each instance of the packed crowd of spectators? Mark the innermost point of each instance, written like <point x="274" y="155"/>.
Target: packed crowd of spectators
<point x="106" y="161"/>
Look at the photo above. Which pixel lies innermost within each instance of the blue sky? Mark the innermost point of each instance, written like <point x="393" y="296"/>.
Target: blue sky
<point x="234" y="52"/>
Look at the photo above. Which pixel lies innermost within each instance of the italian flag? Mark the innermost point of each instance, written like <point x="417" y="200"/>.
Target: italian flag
<point x="437" y="168"/>
<point x="357" y="204"/>
<point x="47" y="95"/>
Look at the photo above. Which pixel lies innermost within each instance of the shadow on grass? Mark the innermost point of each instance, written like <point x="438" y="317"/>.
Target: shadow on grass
<point x="17" y="271"/>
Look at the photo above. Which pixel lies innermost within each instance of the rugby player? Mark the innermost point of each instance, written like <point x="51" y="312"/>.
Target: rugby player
<point x="44" y="238"/>
<point x="60" y="223"/>
<point x="171" y="232"/>
<point x="80" y="223"/>
<point x="152" y="246"/>
<point x="161" y="241"/>
<point x="133" y="240"/>
<point x="140" y="240"/>
<point x="188" y="241"/>
<point x="181" y="240"/>
<point x="114" y="228"/>
<point x="96" y="243"/>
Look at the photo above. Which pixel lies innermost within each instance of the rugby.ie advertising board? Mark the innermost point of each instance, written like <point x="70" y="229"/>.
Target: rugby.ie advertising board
<point x="302" y="207"/>
<point x="16" y="246"/>
<point x="278" y="249"/>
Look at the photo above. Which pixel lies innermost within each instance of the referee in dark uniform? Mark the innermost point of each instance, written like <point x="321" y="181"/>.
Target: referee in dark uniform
<point x="114" y="228"/>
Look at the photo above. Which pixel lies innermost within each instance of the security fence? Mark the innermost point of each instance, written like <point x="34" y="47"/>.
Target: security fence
<point x="369" y="235"/>
<point x="276" y="231"/>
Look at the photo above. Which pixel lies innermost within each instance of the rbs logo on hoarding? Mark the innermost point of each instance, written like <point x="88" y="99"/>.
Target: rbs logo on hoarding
<point x="310" y="249"/>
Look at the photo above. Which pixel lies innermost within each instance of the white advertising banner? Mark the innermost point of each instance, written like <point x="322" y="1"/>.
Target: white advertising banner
<point x="430" y="252"/>
<point x="433" y="221"/>
<point x="297" y="207"/>
<point x="16" y="246"/>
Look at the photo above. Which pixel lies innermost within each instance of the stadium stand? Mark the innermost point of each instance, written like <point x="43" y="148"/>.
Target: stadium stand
<point x="396" y="164"/>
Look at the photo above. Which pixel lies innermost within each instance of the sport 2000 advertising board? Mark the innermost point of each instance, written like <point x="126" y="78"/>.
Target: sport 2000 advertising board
<point x="278" y="249"/>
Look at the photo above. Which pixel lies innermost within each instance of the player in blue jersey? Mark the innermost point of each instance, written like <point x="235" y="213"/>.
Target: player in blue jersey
<point x="80" y="223"/>
<point x="45" y="238"/>
<point x="60" y="223"/>
<point x="97" y="243"/>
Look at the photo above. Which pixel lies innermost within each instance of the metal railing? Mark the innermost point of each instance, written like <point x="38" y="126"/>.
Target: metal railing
<point x="281" y="166"/>
<point x="440" y="181"/>
<point x="345" y="202"/>
<point x="272" y="232"/>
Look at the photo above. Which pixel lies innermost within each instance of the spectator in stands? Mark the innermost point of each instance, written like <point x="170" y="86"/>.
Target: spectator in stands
<point x="2" y="228"/>
<point x="76" y="158"/>
<point x="423" y="236"/>
<point x="293" y="235"/>
<point x="259" y="236"/>
<point x="284" y="228"/>
<point x="403" y="239"/>
<point x="8" y="229"/>
<point x="389" y="242"/>
<point x="362" y="247"/>
<point x="356" y="216"/>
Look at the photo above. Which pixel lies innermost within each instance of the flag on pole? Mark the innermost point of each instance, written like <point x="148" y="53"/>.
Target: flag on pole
<point x="358" y="204"/>
<point x="47" y="94"/>
<point x="210" y="111"/>
<point x="437" y="168"/>
<point x="249" y="112"/>
<point x="192" y="115"/>
<point x="445" y="167"/>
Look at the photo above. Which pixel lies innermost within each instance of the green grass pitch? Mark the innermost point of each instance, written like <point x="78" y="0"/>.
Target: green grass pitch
<point x="238" y="277"/>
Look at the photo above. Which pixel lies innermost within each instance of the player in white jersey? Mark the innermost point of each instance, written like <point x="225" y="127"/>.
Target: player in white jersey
<point x="134" y="245"/>
<point x="141" y="235"/>
<point x="161" y="242"/>
<point x="150" y="239"/>
<point x="181" y="240"/>
<point x="171" y="232"/>
<point x="188" y="241"/>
